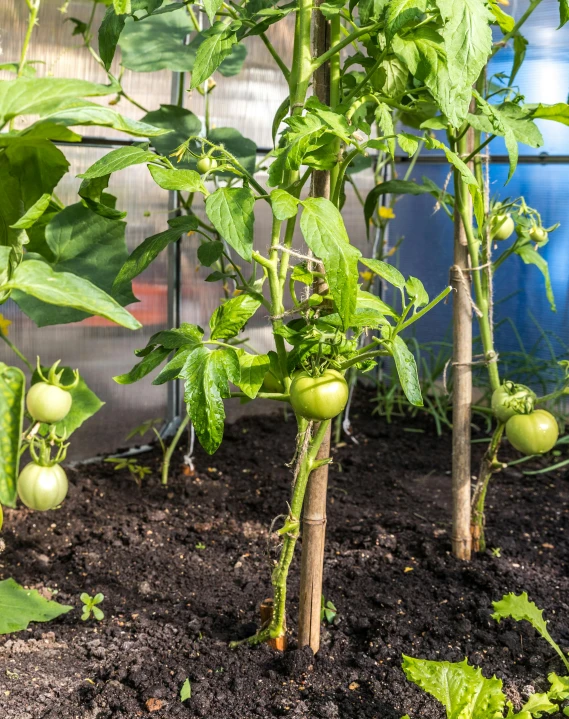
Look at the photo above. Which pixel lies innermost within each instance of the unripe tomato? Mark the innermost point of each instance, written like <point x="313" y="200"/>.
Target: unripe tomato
<point x="507" y="396"/>
<point x="272" y="383"/>
<point x="206" y="164"/>
<point x="501" y="227"/>
<point x="42" y="488"/>
<point x="534" y="433"/>
<point x="48" y="403"/>
<point x="319" y="398"/>
<point x="538" y="235"/>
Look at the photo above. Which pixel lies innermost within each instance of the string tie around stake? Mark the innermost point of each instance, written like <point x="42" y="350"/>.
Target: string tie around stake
<point x="295" y="105"/>
<point x="476" y="360"/>
<point x="294" y="253"/>
<point x="464" y="282"/>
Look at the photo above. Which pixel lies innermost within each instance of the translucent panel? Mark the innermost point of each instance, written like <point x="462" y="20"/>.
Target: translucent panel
<point x="97" y="347"/>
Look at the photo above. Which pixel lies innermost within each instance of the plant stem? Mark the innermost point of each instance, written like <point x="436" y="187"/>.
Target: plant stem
<point x="34" y="6"/>
<point x="532" y="6"/>
<point x="280" y="573"/>
<point x="321" y="59"/>
<point x="14" y="349"/>
<point x="170" y="451"/>
<point x="488" y="467"/>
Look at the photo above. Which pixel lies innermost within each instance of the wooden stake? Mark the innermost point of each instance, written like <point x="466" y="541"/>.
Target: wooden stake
<point x="314" y="513"/>
<point x="462" y="390"/>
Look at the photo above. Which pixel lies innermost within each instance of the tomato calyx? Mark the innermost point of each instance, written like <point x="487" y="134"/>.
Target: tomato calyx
<point x="54" y="376"/>
<point x="40" y="448"/>
<point x="511" y="399"/>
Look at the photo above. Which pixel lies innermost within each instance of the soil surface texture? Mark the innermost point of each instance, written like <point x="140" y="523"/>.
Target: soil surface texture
<point x="184" y="568"/>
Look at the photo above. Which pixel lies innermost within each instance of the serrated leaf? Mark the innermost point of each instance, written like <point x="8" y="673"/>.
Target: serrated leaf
<point x="385" y="271"/>
<point x="208" y="374"/>
<point x="118" y="159"/>
<point x="230" y="210"/>
<point x="12" y="394"/>
<point x="19" y="607"/>
<point x="460" y="688"/>
<point x="559" y="687"/>
<point x="182" y="180"/>
<point x="408" y="143"/>
<point x="532" y="257"/>
<point x="323" y="229"/>
<point x="284" y="204"/>
<point x="217" y="45"/>
<point x="232" y="316"/>
<point x="36" y="278"/>
<point x="538" y="704"/>
<point x="212" y="7"/>
<point x="253" y="371"/>
<point x="401" y="13"/>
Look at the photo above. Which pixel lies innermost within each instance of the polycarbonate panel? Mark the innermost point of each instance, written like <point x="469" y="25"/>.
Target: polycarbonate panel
<point x="96" y="346"/>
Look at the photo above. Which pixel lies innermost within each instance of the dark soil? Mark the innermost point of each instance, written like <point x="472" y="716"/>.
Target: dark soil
<point x="183" y="570"/>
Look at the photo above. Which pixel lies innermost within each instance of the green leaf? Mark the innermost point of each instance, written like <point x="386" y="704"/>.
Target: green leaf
<point x="499" y="119"/>
<point x="215" y="48"/>
<point x="386" y="271"/>
<point x="417" y="292"/>
<point x="301" y="273"/>
<point x="230" y="210"/>
<point x="383" y="115"/>
<point x="324" y="232"/>
<point x="407" y="371"/>
<point x="505" y="21"/>
<point x="207" y="376"/>
<point x="558" y="112"/>
<point x="47" y="94"/>
<point x="144" y="367"/>
<point x="34" y="213"/>
<point x="210" y="252"/>
<point x="520" y="47"/>
<point x="117" y="160"/>
<point x="253" y="371"/>
<point x="109" y="33"/>
<point x="38" y="165"/>
<point x="391" y="187"/>
<point x="563" y="12"/>
<point x="98" y="614"/>
<point x="122" y="6"/>
<point x="232" y="316"/>
<point x="284" y="204"/>
<point x="148" y="250"/>
<point x="280" y="115"/>
<point x="181" y="124"/>
<point x="97" y="200"/>
<point x="89" y="114"/>
<point x="519" y="607"/>
<point x="36" y="278"/>
<point x="370" y="10"/>
<point x="186" y="691"/>
<point x="408" y="143"/>
<point x="72" y="238"/>
<point x="537" y="704"/>
<point x="85" y="402"/>
<point x="183" y="180"/>
<point x="559" y="689"/>
<point x="12" y="394"/>
<point x="368" y="301"/>
<point x="460" y="688"/>
<point x="19" y="607"/>
<point x="243" y="149"/>
<point x="212" y="7"/>
<point x="532" y="257"/>
<point x="401" y="13"/>
<point x="172" y="369"/>
<point x="454" y="160"/>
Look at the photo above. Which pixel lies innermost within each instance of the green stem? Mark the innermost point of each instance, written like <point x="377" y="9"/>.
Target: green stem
<point x="14" y="349"/>
<point x="426" y="309"/>
<point x="366" y="78"/>
<point x="276" y="57"/>
<point x="532" y="6"/>
<point x="170" y="451"/>
<point x="488" y="467"/>
<point x="34" y="7"/>
<point x="318" y="61"/>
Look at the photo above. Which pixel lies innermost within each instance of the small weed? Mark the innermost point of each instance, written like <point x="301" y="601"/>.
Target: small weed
<point x="90" y="606"/>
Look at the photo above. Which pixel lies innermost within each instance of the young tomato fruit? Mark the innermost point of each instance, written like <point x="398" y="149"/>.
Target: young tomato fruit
<point x="206" y="164"/>
<point x="48" y="403"/>
<point x="538" y="235"/>
<point x="534" y="433"/>
<point x="319" y="398"/>
<point x="507" y="396"/>
<point x="501" y="227"/>
<point x="42" y="488"/>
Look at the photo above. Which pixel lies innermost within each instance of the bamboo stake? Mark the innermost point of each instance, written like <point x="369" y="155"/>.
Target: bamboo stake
<point x="462" y="386"/>
<point x="314" y="515"/>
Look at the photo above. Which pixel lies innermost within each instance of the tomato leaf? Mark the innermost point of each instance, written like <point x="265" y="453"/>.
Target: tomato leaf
<point x="118" y="159"/>
<point x="182" y="180"/>
<point x="230" y="210"/>
<point x="38" y="279"/>
<point x="532" y="257"/>
<point x="323" y="229"/>
<point x="19" y="607"/>
<point x="505" y="21"/>
<point x="407" y="371"/>
<point x="180" y="124"/>
<point x="401" y="13"/>
<point x="144" y="367"/>
<point x="387" y="272"/>
<point x="563" y="12"/>
<point x="109" y="33"/>
<point x="217" y="45"/>
<point x="460" y="688"/>
<point x="284" y="204"/>
<point x="33" y="213"/>
<point x="253" y="371"/>
<point x="208" y="374"/>
<point x="12" y="394"/>
<point x="211" y="7"/>
<point x="210" y="252"/>
<point x="122" y="6"/>
<point x="232" y="316"/>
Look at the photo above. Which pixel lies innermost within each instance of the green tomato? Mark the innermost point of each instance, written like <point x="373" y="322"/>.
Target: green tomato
<point x="48" y="403"/>
<point x="538" y="235"/>
<point x="42" y="488"/>
<point x="534" y="433"/>
<point x="206" y="164"/>
<point x="319" y="398"/>
<point x="510" y="399"/>
<point x="271" y="383"/>
<point x="501" y="227"/>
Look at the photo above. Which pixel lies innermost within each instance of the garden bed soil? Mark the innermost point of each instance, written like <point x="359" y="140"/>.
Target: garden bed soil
<point x="183" y="570"/>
